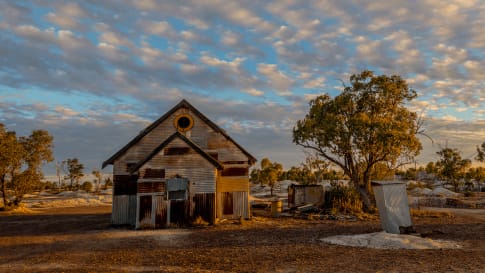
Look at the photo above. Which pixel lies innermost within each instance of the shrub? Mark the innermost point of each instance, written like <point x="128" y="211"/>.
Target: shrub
<point x="469" y="194"/>
<point x="87" y="186"/>
<point x="343" y="199"/>
<point x="199" y="222"/>
<point x="418" y="184"/>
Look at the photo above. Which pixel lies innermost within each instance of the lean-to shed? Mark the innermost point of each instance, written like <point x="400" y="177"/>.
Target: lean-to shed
<point x="305" y="194"/>
<point x="181" y="167"/>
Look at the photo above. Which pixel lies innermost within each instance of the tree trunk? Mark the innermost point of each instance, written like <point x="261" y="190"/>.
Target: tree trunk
<point x="4" y="191"/>
<point x="367" y="194"/>
<point x="366" y="200"/>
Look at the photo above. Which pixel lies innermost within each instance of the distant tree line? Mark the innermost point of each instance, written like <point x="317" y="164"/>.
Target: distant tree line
<point x="21" y="161"/>
<point x="451" y="168"/>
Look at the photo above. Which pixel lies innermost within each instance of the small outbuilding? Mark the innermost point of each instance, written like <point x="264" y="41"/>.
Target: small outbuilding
<point x="305" y="194"/>
<point x="180" y="168"/>
<point x="393" y="205"/>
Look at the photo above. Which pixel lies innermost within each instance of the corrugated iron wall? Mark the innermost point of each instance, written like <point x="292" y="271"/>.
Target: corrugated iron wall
<point x="161" y="214"/>
<point x="238" y="200"/>
<point x="179" y="212"/>
<point x="152" y="211"/>
<point x="241" y="204"/>
<point x="123" y="210"/>
<point x="204" y="205"/>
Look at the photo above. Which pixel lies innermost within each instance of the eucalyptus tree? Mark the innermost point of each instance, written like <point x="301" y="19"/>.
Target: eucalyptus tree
<point x="74" y="171"/>
<point x="269" y="174"/>
<point x="481" y="153"/>
<point x="99" y="177"/>
<point x="21" y="159"/>
<point x="367" y="124"/>
<point x="452" y="167"/>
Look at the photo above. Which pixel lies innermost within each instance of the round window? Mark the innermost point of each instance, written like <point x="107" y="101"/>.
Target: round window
<point x="183" y="123"/>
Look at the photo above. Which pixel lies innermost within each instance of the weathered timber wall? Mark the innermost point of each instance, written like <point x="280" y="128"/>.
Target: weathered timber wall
<point x="305" y="194"/>
<point x="233" y="183"/>
<point x="192" y="165"/>
<point x="202" y="134"/>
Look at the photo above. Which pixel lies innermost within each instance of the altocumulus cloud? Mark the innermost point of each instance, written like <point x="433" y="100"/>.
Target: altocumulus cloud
<point x="95" y="74"/>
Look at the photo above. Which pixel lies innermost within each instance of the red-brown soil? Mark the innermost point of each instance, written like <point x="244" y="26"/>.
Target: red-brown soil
<point x="82" y="240"/>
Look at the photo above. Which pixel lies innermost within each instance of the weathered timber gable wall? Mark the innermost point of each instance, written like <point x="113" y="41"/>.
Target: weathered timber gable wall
<point x="192" y="165"/>
<point x="201" y="134"/>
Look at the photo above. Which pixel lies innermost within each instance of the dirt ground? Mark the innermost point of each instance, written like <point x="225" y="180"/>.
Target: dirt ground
<point x="82" y="240"/>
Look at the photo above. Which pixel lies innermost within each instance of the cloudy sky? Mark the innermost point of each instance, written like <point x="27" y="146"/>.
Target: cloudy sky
<point x="95" y="73"/>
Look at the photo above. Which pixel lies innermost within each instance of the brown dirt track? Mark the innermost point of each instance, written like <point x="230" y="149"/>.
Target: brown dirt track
<point x="81" y="240"/>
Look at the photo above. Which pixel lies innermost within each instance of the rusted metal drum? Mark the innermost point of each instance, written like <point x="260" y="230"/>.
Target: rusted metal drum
<point x="276" y="208"/>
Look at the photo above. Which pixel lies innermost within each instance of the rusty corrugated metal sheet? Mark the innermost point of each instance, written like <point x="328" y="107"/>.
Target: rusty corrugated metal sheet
<point x="148" y="187"/>
<point x="144" y="219"/>
<point x="152" y="211"/>
<point x="123" y="210"/>
<point x="240" y="205"/>
<point x="179" y="212"/>
<point x="124" y="184"/>
<point x="227" y="203"/>
<point x="161" y="213"/>
<point x="235" y="171"/>
<point x="204" y="205"/>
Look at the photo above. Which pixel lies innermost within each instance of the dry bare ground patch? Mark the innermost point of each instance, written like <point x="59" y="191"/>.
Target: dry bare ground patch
<point x="82" y="240"/>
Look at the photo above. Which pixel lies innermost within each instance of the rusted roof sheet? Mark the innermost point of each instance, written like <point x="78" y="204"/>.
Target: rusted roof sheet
<point x="186" y="140"/>
<point x="181" y="104"/>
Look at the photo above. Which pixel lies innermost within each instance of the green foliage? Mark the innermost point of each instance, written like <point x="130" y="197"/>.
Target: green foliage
<point x="381" y="171"/>
<point x="87" y="186"/>
<point x="431" y="168"/>
<point x="269" y="174"/>
<point x="367" y="124"/>
<point x="452" y="167"/>
<point x="99" y="177"/>
<point x="74" y="171"/>
<point x="418" y="184"/>
<point x="47" y="185"/>
<point x="311" y="172"/>
<point x="481" y="153"/>
<point x="21" y="159"/>
<point x="108" y="182"/>
<point x="343" y="200"/>
<point x="300" y="174"/>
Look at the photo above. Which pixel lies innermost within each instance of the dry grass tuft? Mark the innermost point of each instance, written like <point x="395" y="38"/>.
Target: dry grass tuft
<point x="199" y="222"/>
<point x="431" y="214"/>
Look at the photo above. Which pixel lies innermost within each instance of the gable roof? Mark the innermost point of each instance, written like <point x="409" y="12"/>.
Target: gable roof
<point x="170" y="139"/>
<point x="181" y="104"/>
